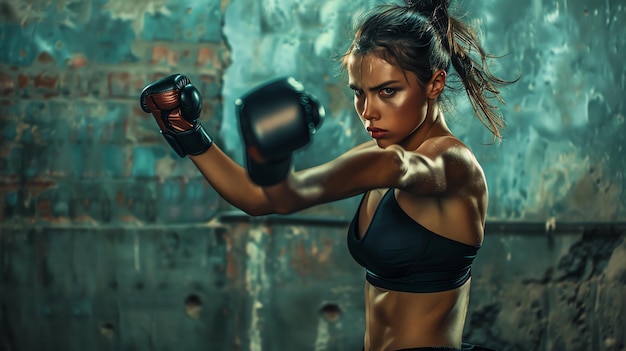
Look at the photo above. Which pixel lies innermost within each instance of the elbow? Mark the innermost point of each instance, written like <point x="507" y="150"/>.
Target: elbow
<point x="255" y="212"/>
<point x="256" y="208"/>
<point x="268" y="209"/>
<point x="284" y="209"/>
<point x="283" y="198"/>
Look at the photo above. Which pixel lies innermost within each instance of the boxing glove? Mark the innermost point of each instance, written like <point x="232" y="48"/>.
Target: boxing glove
<point x="176" y="106"/>
<point x="276" y="119"/>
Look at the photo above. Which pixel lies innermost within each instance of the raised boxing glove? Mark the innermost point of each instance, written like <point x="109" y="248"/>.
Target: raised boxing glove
<point x="176" y="106"/>
<point x="276" y="119"/>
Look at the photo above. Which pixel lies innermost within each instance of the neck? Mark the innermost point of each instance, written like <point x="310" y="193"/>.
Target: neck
<point x="434" y="117"/>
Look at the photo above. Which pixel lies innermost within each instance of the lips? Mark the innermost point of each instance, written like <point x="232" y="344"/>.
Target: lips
<point x="377" y="133"/>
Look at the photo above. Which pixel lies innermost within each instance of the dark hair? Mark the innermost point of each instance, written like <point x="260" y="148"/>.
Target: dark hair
<point x="422" y="38"/>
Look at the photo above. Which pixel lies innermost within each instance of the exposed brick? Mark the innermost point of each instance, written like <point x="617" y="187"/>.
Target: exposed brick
<point x="45" y="81"/>
<point x="184" y="58"/>
<point x="7" y="85"/>
<point x="40" y="85"/>
<point x="23" y="80"/>
<point x="47" y="84"/>
<point x="123" y="84"/>
<point x="77" y="60"/>
<point x="45" y="58"/>
<point x="75" y="83"/>
<point x="161" y="54"/>
<point x="147" y="200"/>
<point x="118" y="84"/>
<point x="209" y="57"/>
<point x="97" y="83"/>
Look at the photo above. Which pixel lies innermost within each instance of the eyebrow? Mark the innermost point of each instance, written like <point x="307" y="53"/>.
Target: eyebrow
<point x="377" y="87"/>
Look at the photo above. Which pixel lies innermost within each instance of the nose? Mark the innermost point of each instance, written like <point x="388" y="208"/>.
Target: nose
<point x="368" y="109"/>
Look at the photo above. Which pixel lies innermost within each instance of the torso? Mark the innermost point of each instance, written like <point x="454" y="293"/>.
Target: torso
<point x="396" y="319"/>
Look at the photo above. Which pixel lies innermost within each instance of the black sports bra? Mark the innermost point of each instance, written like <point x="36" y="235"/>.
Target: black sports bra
<point x="400" y="254"/>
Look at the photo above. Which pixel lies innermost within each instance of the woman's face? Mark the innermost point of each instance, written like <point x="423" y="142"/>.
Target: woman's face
<point x="389" y="101"/>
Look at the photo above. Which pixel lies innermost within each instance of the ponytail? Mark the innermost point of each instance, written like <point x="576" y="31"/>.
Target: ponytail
<point x="461" y="41"/>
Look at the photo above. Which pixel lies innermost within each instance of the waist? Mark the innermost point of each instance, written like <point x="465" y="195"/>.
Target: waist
<point x="398" y="319"/>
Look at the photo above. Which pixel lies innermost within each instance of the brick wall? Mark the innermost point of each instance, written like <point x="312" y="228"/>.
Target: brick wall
<point x="110" y="241"/>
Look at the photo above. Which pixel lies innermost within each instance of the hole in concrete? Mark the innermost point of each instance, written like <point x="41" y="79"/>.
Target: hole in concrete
<point x="108" y="330"/>
<point x="330" y="311"/>
<point x="193" y="306"/>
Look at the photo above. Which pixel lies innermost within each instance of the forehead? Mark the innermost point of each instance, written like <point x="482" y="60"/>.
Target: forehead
<point x="368" y="70"/>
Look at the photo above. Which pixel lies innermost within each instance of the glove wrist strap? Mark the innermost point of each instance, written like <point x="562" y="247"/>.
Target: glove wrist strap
<point x="191" y="142"/>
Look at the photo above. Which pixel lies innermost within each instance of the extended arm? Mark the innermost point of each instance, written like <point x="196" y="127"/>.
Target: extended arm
<point x="436" y="169"/>
<point x="276" y="120"/>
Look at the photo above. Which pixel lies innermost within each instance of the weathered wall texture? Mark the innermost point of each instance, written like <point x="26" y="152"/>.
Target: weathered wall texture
<point x="108" y="241"/>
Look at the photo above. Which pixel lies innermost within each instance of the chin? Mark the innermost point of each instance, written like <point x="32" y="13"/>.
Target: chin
<point x="382" y="143"/>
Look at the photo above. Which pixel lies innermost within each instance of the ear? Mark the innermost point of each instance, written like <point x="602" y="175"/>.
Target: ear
<point x="436" y="84"/>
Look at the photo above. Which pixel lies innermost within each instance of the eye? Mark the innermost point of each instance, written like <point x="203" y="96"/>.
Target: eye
<point x="357" y="92"/>
<point x="387" y="92"/>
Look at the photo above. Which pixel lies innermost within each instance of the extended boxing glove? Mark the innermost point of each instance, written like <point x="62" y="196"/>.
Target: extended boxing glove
<point x="276" y="119"/>
<point x="176" y="106"/>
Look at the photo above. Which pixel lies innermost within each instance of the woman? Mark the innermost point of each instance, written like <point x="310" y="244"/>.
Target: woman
<point x="421" y="220"/>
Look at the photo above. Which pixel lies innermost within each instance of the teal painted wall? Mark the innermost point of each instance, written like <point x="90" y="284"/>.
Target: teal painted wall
<point x="109" y="241"/>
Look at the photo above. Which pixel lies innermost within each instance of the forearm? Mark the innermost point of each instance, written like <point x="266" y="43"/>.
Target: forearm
<point x="232" y="183"/>
<point x="352" y="173"/>
<point x="297" y="192"/>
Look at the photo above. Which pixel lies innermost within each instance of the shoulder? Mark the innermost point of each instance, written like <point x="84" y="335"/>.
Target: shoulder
<point x="460" y="166"/>
<point x="442" y="146"/>
<point x="449" y="150"/>
<point x="446" y="148"/>
<point x="441" y="164"/>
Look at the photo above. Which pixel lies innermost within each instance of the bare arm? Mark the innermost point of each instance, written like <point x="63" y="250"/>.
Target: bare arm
<point x="435" y="168"/>
<point x="231" y="181"/>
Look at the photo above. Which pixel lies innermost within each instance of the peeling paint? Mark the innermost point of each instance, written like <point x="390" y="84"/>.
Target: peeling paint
<point x="134" y="11"/>
<point x="616" y="266"/>
<point x="256" y="283"/>
<point x="322" y="336"/>
<point x="136" y="253"/>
